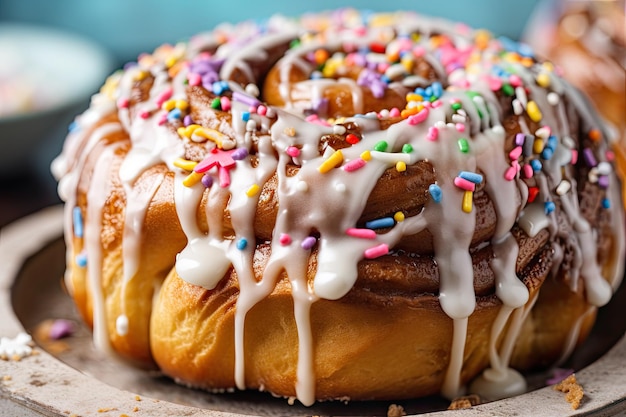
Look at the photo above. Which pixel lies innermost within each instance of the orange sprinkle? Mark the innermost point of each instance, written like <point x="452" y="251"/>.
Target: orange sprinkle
<point x="320" y="56"/>
<point x="595" y="135"/>
<point x="482" y="39"/>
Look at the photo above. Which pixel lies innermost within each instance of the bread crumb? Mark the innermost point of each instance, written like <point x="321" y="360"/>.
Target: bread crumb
<point x="467" y="401"/>
<point x="573" y="391"/>
<point x="135" y="409"/>
<point x="137" y="398"/>
<point x="106" y="410"/>
<point x="7" y="378"/>
<point x="395" y="410"/>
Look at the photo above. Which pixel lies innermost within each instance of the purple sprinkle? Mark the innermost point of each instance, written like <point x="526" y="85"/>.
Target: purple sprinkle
<point x="559" y="375"/>
<point x="207" y="180"/>
<point x="239" y="154"/>
<point x="61" y="328"/>
<point x="320" y="105"/>
<point x="603" y="181"/>
<point x="519" y="139"/>
<point x="208" y="79"/>
<point x="129" y="65"/>
<point x="590" y="159"/>
<point x="308" y="242"/>
<point x="245" y="99"/>
<point x="187" y="120"/>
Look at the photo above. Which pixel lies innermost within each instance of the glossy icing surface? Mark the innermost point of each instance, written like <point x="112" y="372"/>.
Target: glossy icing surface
<point x="277" y="92"/>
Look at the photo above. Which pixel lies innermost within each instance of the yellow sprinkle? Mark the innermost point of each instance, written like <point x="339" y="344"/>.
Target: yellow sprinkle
<point x="141" y="75"/>
<point x="169" y="62"/>
<point x="253" y="190"/>
<point x="192" y="179"/>
<point x="538" y="146"/>
<point x="188" y="131"/>
<point x="468" y="198"/>
<point x="533" y="111"/>
<point x="333" y="161"/>
<point x="168" y="105"/>
<point x="399" y="216"/>
<point x="543" y="80"/>
<point x="182" y="104"/>
<point x="527" y="62"/>
<point x="408" y="63"/>
<point x="185" y="164"/>
<point x="400" y="166"/>
<point x="549" y="66"/>
<point x="210" y="134"/>
<point x="482" y="39"/>
<point x="414" y="97"/>
<point x="366" y="156"/>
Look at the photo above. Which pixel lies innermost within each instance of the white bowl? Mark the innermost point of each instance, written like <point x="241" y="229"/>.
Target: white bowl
<point x="46" y="78"/>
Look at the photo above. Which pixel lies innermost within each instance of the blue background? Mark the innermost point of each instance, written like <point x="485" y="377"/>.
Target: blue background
<point x="129" y="27"/>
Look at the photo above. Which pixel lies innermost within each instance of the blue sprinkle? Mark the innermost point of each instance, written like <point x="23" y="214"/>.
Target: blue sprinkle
<point x="471" y="176"/>
<point x="437" y="89"/>
<point x="536" y="164"/>
<point x="385" y="79"/>
<point x="77" y="216"/>
<point x="175" y="114"/>
<point x="547" y="153"/>
<point x="81" y="260"/>
<point x="245" y="116"/>
<point x="552" y="142"/>
<point x="428" y="91"/>
<point x="606" y="203"/>
<point x="380" y="223"/>
<point x="435" y="192"/>
<point x="74" y="126"/>
<point x="420" y="91"/>
<point x="242" y="243"/>
<point x="219" y="87"/>
<point x="549" y="207"/>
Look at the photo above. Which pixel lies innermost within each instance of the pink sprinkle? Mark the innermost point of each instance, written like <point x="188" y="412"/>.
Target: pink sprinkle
<point x="610" y="156"/>
<point x="427" y="104"/>
<point x="510" y="173"/>
<point x="61" y="328"/>
<point x="308" y="242"/>
<point x="123" y="103"/>
<point x="194" y="79"/>
<point x="464" y="184"/>
<point x="162" y="119"/>
<point x="293" y="151"/>
<point x="262" y="110"/>
<point x="354" y="165"/>
<point x="382" y="67"/>
<point x="376" y="251"/>
<point x="419" y="51"/>
<point x="144" y="114"/>
<point x="574" y="156"/>
<point x="419" y="117"/>
<point x="436" y="103"/>
<point x="361" y="233"/>
<point x="224" y="176"/>
<point x="515" y="153"/>
<point x="252" y="109"/>
<point x="395" y="112"/>
<point x="433" y="133"/>
<point x="225" y="103"/>
<point x="495" y="83"/>
<point x="460" y="127"/>
<point x="164" y="96"/>
<point x="515" y="164"/>
<point x="528" y="171"/>
<point x="284" y="239"/>
<point x="515" y="80"/>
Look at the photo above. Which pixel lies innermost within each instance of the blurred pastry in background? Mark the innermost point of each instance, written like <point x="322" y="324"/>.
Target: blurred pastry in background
<point x="588" y="39"/>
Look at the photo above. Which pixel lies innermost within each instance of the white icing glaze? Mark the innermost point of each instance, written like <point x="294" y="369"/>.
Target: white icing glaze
<point x="323" y="205"/>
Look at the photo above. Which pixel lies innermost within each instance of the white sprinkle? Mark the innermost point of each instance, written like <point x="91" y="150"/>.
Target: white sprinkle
<point x="457" y="118"/>
<point x="604" y="168"/>
<point x="253" y="90"/>
<point x="339" y="129"/>
<point x="542" y="132"/>
<point x="563" y="187"/>
<point x="251" y="126"/>
<point x="340" y="187"/>
<point x="569" y="142"/>
<point x="498" y="129"/>
<point x="520" y="93"/>
<point x="593" y="175"/>
<point x="518" y="109"/>
<point x="553" y="98"/>
<point x="121" y="325"/>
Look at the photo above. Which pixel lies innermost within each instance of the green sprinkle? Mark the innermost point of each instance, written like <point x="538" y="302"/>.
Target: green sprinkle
<point x="294" y="43"/>
<point x="380" y="146"/>
<point x="463" y="145"/>
<point x="216" y="103"/>
<point x="508" y="90"/>
<point x="407" y="148"/>
<point x="456" y="106"/>
<point x="472" y="94"/>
